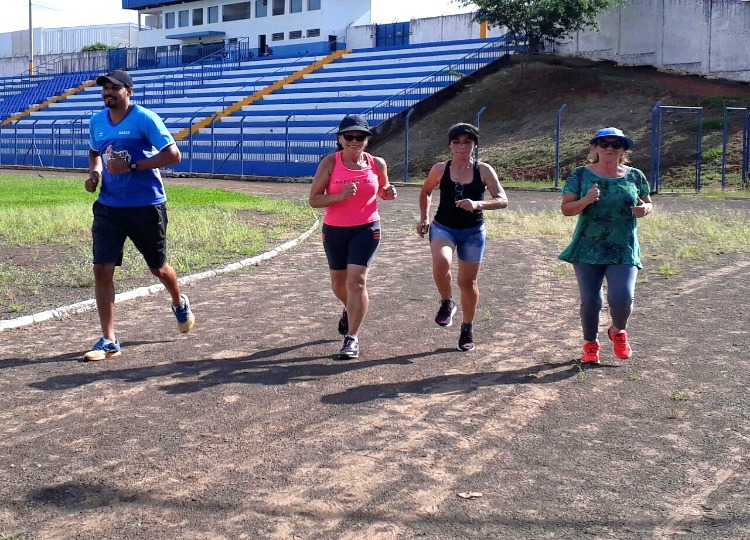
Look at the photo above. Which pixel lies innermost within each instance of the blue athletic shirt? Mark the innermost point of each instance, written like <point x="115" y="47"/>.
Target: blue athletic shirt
<point x="134" y="138"/>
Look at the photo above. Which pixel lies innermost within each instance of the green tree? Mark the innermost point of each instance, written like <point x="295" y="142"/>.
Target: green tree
<point x="96" y="47"/>
<point x="536" y="20"/>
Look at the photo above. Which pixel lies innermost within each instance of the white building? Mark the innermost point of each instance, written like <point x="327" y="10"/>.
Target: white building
<point x="288" y="27"/>
<point x="55" y="49"/>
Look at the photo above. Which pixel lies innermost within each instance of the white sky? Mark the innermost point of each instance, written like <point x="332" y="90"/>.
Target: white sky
<point x="61" y="13"/>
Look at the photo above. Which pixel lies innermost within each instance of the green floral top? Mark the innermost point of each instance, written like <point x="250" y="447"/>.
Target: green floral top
<point x="607" y="231"/>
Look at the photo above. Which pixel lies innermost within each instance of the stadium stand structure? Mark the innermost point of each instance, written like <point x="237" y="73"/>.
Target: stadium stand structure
<point x="266" y="117"/>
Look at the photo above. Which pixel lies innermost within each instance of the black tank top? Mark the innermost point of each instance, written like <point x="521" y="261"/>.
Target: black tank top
<point x="447" y="214"/>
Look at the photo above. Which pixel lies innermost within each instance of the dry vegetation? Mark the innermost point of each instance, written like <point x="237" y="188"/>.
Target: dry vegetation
<point x="518" y="126"/>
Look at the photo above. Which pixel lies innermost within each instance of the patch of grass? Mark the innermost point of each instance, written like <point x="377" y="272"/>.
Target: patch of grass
<point x="675" y="414"/>
<point x="724" y="101"/>
<point x="711" y="124"/>
<point x="667" y="238"/>
<point x="680" y="395"/>
<point x="633" y="374"/>
<point x="667" y="270"/>
<point x="562" y="271"/>
<point x="729" y="193"/>
<point x="45" y="238"/>
<point x="5" y="535"/>
<point x="712" y="153"/>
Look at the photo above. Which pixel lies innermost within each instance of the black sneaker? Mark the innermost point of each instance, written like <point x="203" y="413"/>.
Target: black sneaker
<point x="344" y="324"/>
<point x="466" y="341"/>
<point x="350" y="348"/>
<point x="446" y="312"/>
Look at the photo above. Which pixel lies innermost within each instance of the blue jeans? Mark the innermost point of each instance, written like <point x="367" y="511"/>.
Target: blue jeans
<point x="620" y="290"/>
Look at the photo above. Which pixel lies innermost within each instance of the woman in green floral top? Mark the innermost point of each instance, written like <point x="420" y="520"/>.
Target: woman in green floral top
<point x="608" y="197"/>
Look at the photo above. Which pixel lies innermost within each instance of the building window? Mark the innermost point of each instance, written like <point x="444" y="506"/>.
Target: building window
<point x="261" y="8"/>
<point x="152" y="21"/>
<point x="295" y="6"/>
<point x="295" y="34"/>
<point x="278" y="36"/>
<point x="169" y="20"/>
<point x="213" y="14"/>
<point x="236" y="12"/>
<point x="183" y="18"/>
<point x="313" y="5"/>
<point x="278" y="7"/>
<point x="313" y="32"/>
<point x="198" y="17"/>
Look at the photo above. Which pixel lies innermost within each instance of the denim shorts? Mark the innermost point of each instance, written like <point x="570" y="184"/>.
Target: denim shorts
<point x="469" y="242"/>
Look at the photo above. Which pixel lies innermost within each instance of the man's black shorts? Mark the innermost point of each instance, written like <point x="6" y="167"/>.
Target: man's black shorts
<point x="146" y="226"/>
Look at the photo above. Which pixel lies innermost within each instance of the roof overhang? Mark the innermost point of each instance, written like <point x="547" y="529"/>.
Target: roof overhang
<point x="205" y="33"/>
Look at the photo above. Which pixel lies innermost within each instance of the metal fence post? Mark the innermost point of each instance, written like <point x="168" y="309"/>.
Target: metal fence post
<point x="478" y="117"/>
<point x="655" y="146"/>
<point x="724" y="150"/>
<point x="406" y="145"/>
<point x="242" y="145"/>
<point x="286" y="144"/>
<point x="557" y="145"/>
<point x="699" y="152"/>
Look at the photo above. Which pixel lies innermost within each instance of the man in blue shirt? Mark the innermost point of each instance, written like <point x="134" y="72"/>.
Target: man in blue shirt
<point x="128" y="145"/>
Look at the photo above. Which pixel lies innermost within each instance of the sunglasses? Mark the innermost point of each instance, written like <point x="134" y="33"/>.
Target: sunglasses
<point x="459" y="191"/>
<point x="350" y="138"/>
<point x="616" y="145"/>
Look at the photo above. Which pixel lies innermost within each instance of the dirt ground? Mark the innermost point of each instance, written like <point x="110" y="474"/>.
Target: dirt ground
<point x="249" y="428"/>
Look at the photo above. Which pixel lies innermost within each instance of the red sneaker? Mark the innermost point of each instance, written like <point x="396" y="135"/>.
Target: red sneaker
<point x="591" y="352"/>
<point x="620" y="342"/>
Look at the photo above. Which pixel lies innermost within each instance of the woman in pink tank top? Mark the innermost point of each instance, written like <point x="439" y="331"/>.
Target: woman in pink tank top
<point x="347" y="184"/>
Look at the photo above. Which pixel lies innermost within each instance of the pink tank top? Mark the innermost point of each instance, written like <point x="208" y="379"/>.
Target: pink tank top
<point x="363" y="207"/>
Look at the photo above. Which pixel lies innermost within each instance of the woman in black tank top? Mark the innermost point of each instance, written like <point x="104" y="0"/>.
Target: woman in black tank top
<point x="458" y="225"/>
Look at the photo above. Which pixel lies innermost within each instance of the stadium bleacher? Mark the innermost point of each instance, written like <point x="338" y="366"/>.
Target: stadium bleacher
<point x="284" y="130"/>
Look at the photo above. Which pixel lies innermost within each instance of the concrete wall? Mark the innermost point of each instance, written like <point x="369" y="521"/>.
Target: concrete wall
<point x="703" y="37"/>
<point x="429" y="30"/>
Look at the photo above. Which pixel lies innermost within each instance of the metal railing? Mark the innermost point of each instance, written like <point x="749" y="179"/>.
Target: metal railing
<point x="437" y="81"/>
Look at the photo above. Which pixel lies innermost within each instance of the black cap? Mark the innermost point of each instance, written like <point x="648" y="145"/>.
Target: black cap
<point x="354" y="122"/>
<point x="463" y="129"/>
<point x="116" y="77"/>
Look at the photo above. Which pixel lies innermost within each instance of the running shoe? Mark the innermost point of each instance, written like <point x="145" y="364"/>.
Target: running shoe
<point x="591" y="352"/>
<point x="446" y="312"/>
<point x="620" y="343"/>
<point x="104" y="348"/>
<point x="185" y="317"/>
<point x="466" y="341"/>
<point x="350" y="349"/>
<point x="344" y="324"/>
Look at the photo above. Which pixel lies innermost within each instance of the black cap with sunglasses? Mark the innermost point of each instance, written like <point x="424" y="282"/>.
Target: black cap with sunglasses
<point x="354" y="122"/>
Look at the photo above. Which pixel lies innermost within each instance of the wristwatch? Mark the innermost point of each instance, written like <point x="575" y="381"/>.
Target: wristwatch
<point x="133" y="166"/>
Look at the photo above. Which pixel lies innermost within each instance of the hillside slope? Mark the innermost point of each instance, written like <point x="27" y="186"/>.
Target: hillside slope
<point x="518" y="125"/>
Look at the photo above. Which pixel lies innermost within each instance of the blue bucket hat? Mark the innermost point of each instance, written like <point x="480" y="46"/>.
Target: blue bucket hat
<point x="612" y="132"/>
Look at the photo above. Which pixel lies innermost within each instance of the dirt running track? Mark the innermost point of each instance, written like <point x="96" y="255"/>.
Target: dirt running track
<point x="249" y="428"/>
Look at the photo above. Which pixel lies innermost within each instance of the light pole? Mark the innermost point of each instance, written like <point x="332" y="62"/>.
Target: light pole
<point x="31" y="45"/>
